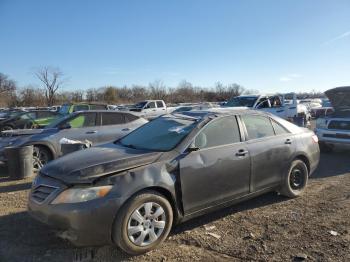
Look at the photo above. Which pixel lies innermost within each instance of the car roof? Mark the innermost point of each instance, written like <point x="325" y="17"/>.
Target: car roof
<point x="222" y="112"/>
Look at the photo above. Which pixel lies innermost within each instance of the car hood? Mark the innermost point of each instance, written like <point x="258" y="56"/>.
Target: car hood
<point x="26" y="132"/>
<point x="90" y="164"/>
<point x="339" y="97"/>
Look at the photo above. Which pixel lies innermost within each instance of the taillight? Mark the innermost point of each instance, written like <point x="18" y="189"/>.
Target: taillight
<point x="315" y="138"/>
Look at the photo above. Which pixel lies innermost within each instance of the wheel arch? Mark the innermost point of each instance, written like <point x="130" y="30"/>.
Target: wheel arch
<point x="305" y="159"/>
<point x="47" y="146"/>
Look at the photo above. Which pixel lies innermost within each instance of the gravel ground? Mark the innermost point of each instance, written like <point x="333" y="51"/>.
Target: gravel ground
<point x="315" y="226"/>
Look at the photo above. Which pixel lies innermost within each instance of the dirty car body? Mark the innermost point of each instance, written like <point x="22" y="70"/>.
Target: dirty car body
<point x="183" y="157"/>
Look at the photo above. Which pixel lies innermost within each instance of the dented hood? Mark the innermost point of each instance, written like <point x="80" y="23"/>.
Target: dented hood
<point x="87" y="165"/>
<point x="339" y="97"/>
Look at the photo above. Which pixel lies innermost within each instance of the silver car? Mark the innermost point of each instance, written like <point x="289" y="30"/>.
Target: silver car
<point x="96" y="126"/>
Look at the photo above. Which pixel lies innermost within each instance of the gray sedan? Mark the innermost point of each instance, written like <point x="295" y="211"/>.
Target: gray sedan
<point x="176" y="167"/>
<point x="96" y="126"/>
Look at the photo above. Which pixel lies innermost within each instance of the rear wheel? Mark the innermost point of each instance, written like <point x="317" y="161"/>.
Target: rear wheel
<point x="143" y="223"/>
<point x="294" y="183"/>
<point x="41" y="156"/>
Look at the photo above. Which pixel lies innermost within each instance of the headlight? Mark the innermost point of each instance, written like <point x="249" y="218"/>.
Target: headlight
<point x="321" y="123"/>
<point x="77" y="195"/>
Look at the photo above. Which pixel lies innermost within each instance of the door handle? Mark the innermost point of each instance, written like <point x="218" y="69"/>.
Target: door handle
<point x="91" y="132"/>
<point x="242" y="152"/>
<point x="154" y="110"/>
<point x="288" y="141"/>
<point x="126" y="129"/>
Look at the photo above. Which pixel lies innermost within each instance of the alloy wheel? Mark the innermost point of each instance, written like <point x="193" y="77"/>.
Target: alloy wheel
<point x="40" y="158"/>
<point x="146" y="224"/>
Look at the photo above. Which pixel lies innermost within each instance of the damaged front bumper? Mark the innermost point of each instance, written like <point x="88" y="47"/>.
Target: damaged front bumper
<point x="84" y="224"/>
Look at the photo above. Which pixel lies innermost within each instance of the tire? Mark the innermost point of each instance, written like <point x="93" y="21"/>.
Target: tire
<point x="41" y="156"/>
<point x="324" y="148"/>
<point x="294" y="183"/>
<point x="139" y="241"/>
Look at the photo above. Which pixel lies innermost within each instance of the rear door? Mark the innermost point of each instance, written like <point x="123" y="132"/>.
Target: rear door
<point x="219" y="170"/>
<point x="161" y="109"/>
<point x="113" y="126"/>
<point x="270" y="150"/>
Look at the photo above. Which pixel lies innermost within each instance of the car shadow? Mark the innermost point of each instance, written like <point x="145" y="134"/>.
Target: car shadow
<point x="263" y="200"/>
<point x="14" y="188"/>
<point x="333" y="164"/>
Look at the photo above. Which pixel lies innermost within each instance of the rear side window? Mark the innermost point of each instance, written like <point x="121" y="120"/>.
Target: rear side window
<point x="257" y="126"/>
<point x="112" y="119"/>
<point x="279" y="130"/>
<point x="160" y="104"/>
<point x="219" y="132"/>
<point x="130" y="118"/>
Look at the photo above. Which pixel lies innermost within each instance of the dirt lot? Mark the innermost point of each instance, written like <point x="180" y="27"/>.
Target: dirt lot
<point x="269" y="228"/>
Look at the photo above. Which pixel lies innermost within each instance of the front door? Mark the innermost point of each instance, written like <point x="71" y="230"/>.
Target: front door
<point x="219" y="170"/>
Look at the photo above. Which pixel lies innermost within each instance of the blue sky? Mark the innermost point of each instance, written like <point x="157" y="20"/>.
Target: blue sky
<point x="289" y="45"/>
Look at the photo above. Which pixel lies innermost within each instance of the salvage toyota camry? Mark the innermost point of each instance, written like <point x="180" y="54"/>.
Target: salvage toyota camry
<point x="131" y="192"/>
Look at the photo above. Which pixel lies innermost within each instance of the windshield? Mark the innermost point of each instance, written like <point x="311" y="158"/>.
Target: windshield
<point x="161" y="134"/>
<point x="140" y="105"/>
<point x="64" y="109"/>
<point x="246" y="101"/>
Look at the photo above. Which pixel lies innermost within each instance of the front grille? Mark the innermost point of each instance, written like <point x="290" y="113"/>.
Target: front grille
<point x="41" y="192"/>
<point x="340" y="125"/>
<point x="341" y="136"/>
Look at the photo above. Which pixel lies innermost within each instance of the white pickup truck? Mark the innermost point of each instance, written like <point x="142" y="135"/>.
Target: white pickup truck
<point x="285" y="106"/>
<point x="149" y="109"/>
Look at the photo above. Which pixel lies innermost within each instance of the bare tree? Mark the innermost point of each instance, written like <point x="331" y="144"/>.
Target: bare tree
<point x="51" y="79"/>
<point x="6" y="84"/>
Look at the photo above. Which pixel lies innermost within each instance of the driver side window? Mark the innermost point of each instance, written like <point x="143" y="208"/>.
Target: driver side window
<point x="219" y="132"/>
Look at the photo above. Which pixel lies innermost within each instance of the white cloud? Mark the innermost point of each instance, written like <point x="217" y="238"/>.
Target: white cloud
<point x="289" y="77"/>
<point x="346" y="34"/>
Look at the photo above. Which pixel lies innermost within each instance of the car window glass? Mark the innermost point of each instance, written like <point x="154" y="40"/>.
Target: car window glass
<point x="159" y="104"/>
<point x="42" y="114"/>
<point x="130" y="118"/>
<point x="80" y="108"/>
<point x="97" y="107"/>
<point x="279" y="130"/>
<point x="112" y="119"/>
<point x="219" y="132"/>
<point x="30" y="115"/>
<point x="151" y="105"/>
<point x="258" y="126"/>
<point x="83" y="120"/>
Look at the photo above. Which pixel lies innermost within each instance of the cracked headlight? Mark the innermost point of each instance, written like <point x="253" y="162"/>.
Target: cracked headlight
<point x="77" y="195"/>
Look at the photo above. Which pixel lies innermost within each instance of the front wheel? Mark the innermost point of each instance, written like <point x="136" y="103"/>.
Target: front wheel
<point x="143" y="223"/>
<point x="294" y="183"/>
<point x="41" y="156"/>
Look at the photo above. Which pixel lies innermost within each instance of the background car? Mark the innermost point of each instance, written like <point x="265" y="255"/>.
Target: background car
<point x="32" y="119"/>
<point x="171" y="169"/>
<point x="95" y="126"/>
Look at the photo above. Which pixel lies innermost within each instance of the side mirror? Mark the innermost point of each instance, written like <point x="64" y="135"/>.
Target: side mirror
<point x="65" y="126"/>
